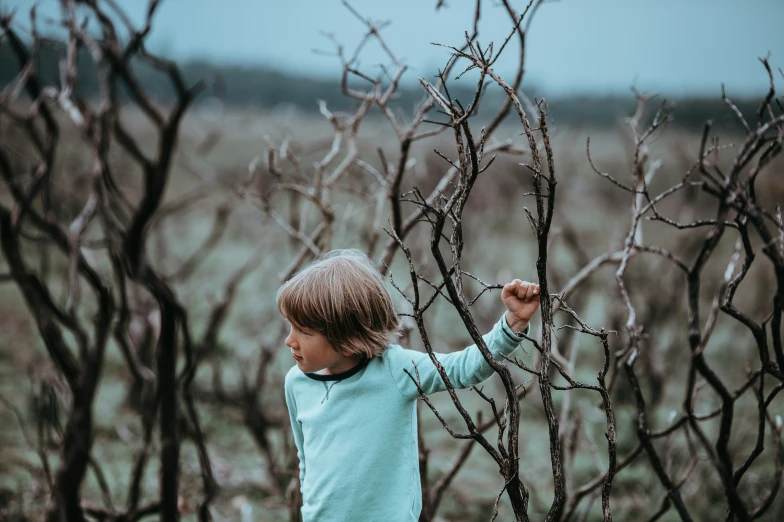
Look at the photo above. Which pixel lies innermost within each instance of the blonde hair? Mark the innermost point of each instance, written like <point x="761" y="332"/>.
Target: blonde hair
<point x="342" y="296"/>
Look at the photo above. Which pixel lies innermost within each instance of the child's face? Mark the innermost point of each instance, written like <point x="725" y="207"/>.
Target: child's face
<point x="313" y="353"/>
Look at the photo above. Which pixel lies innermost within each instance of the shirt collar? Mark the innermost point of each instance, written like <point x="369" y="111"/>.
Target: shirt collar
<point x="338" y="376"/>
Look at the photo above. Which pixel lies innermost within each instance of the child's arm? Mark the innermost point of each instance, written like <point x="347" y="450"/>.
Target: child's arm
<point x="296" y="429"/>
<point x="468" y="367"/>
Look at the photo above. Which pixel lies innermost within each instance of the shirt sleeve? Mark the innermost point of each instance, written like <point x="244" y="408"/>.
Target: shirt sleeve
<point x="296" y="429"/>
<point x="465" y="368"/>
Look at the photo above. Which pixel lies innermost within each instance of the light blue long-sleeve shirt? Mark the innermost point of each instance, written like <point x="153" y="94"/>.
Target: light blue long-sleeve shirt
<point x="356" y="432"/>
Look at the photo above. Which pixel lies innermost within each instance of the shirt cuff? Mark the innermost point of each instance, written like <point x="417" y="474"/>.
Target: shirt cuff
<point x="512" y="335"/>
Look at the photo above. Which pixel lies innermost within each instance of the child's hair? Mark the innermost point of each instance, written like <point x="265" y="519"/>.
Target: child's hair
<point x="342" y="296"/>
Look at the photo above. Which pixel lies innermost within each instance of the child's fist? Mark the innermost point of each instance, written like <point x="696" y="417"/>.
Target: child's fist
<point x="521" y="299"/>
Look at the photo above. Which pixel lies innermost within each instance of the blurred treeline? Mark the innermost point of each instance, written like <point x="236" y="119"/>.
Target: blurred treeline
<point x="267" y="88"/>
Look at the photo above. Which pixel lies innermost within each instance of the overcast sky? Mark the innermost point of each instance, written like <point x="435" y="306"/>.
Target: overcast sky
<point x="675" y="47"/>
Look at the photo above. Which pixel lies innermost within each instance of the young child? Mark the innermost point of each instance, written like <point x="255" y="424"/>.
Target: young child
<point x="351" y="404"/>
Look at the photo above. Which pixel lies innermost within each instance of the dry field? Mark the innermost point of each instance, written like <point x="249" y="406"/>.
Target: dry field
<point x="592" y="217"/>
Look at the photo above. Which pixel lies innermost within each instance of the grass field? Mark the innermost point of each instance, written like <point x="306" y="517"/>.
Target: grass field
<point x="499" y="246"/>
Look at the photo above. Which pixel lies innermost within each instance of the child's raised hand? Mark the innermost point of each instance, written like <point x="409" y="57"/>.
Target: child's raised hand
<point x="521" y="299"/>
